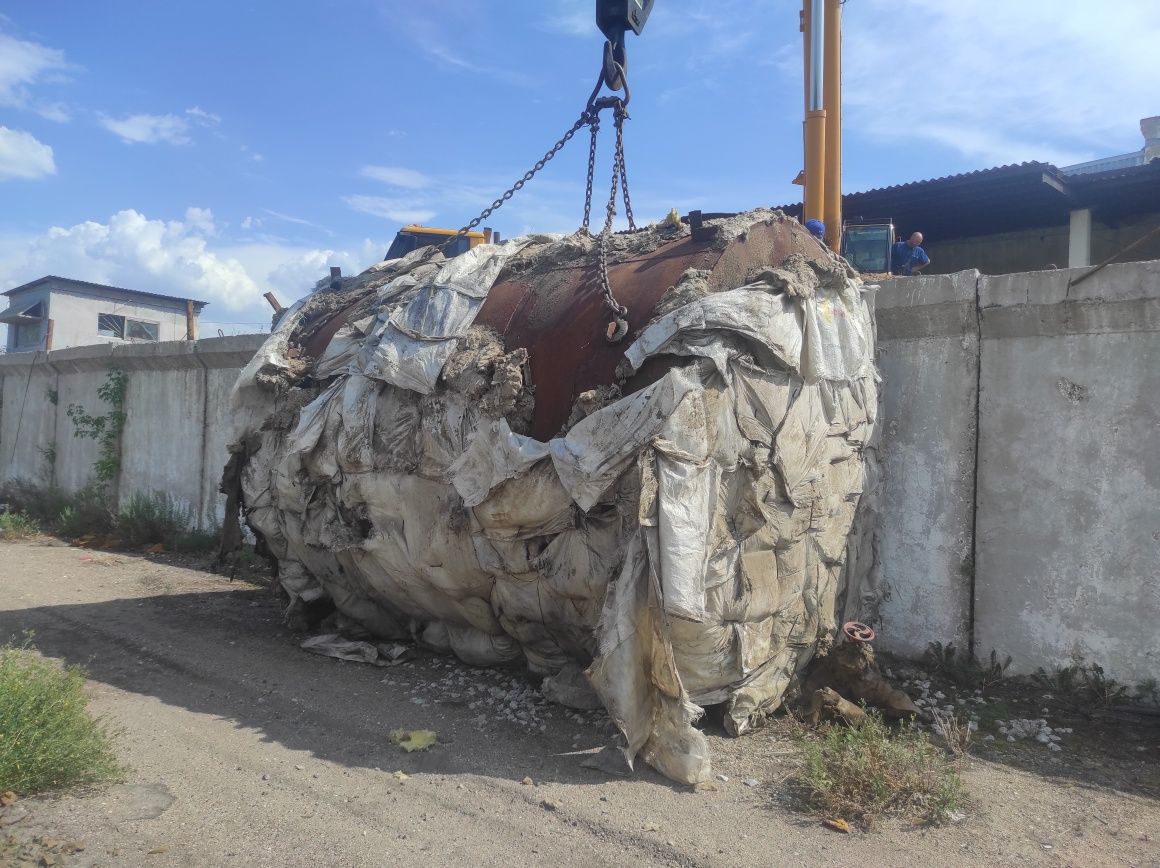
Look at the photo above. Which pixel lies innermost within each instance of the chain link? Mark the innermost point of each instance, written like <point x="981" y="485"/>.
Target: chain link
<point x="586" y="118"/>
<point x="619" y="325"/>
<point x="590" y="117"/>
<point x="595" y="128"/>
<point x="621" y="117"/>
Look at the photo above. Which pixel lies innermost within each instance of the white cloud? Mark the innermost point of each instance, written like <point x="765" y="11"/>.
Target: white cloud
<point x="183" y="258"/>
<point x="396" y="176"/>
<point x="55" y="111"/>
<point x="459" y="36"/>
<point x="23" y="64"/>
<point x="570" y="17"/>
<point x="171" y="257"/>
<point x="1001" y="83"/>
<point x="149" y="129"/>
<point x="202" y="117"/>
<point x="23" y="156"/>
<point x="290" y="218"/>
<point x="398" y="209"/>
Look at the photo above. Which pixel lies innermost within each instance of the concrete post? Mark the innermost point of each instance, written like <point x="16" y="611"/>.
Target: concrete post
<point x="1079" y="240"/>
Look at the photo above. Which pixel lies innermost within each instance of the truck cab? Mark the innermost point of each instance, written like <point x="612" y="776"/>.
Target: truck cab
<point x="413" y="236"/>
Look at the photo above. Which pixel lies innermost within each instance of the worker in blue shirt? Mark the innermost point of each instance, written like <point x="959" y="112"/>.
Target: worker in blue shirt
<point x="817" y="229"/>
<point x="908" y="257"/>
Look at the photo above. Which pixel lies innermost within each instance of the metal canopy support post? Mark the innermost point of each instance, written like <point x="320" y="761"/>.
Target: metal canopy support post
<point x="1079" y="239"/>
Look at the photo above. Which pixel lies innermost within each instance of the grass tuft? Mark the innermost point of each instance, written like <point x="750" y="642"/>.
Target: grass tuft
<point x="152" y="518"/>
<point x="48" y="739"/>
<point x="15" y="525"/>
<point x="863" y="771"/>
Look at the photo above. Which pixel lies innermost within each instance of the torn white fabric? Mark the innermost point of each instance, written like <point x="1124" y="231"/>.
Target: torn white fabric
<point x="420" y="335"/>
<point x="686" y="543"/>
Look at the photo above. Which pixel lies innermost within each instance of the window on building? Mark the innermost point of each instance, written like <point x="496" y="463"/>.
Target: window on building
<point x="139" y="330"/>
<point x="27" y="334"/>
<point x="112" y="325"/>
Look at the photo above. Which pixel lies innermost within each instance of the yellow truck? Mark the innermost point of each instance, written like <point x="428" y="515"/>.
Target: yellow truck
<point x="413" y="236"/>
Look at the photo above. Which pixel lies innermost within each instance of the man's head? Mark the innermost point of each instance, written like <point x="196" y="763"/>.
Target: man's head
<point x="817" y="228"/>
<point x="915" y="239"/>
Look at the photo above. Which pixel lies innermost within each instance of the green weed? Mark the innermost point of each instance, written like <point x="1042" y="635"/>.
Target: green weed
<point x="146" y="519"/>
<point x="48" y="739"/>
<point x="964" y="669"/>
<point x="16" y="525"/>
<point x="862" y="771"/>
<point x="1082" y="683"/>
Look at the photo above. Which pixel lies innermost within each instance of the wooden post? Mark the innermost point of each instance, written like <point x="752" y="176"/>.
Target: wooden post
<point x="190" y="322"/>
<point x="48" y="337"/>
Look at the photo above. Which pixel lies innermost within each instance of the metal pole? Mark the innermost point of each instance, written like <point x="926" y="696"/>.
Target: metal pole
<point x="817" y="56"/>
<point x="833" y="106"/>
<point x="815" y="125"/>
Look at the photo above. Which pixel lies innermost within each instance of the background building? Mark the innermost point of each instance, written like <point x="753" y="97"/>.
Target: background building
<point x="1029" y="216"/>
<point x="52" y="313"/>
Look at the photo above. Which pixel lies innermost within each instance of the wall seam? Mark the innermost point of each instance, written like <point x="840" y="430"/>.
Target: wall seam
<point x="202" y="458"/>
<point x="974" y="576"/>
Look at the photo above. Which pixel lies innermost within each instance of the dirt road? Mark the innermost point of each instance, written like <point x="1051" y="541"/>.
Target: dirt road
<point x="245" y="750"/>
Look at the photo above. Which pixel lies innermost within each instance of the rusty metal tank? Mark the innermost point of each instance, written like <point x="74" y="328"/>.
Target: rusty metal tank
<point x="556" y="312"/>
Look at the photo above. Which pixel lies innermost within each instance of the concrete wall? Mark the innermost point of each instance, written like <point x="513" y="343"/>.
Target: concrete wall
<point x="176" y="407"/>
<point x="1048" y="546"/>
<point x="928" y="347"/>
<point x="1020" y="498"/>
<point x="1068" y="548"/>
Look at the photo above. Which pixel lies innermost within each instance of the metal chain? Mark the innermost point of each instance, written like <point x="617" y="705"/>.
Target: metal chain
<point x="618" y="328"/>
<point x="586" y="118"/>
<point x="590" y="117"/>
<point x="621" y="117"/>
<point x="595" y="127"/>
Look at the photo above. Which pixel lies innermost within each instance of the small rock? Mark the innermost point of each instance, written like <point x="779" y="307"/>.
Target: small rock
<point x="300" y="767"/>
<point x="528" y="782"/>
<point x="552" y="804"/>
<point x="751" y="782"/>
<point x="723" y="778"/>
<point x="956" y="816"/>
<point x="12" y="814"/>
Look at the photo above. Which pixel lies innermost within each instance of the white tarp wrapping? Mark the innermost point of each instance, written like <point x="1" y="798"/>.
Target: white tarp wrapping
<point x="686" y="542"/>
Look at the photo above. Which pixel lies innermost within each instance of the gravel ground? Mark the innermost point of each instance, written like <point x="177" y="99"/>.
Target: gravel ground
<point x="246" y="750"/>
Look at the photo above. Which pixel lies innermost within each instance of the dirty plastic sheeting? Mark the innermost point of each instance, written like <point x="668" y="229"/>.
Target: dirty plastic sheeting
<point x="685" y="542"/>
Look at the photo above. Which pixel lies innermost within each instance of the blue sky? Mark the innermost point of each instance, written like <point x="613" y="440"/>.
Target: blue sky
<point x="219" y="150"/>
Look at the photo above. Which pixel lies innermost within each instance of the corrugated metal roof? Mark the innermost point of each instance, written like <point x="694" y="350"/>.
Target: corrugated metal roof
<point x="1104" y="164"/>
<point x="1008" y="198"/>
<point x="101" y="286"/>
